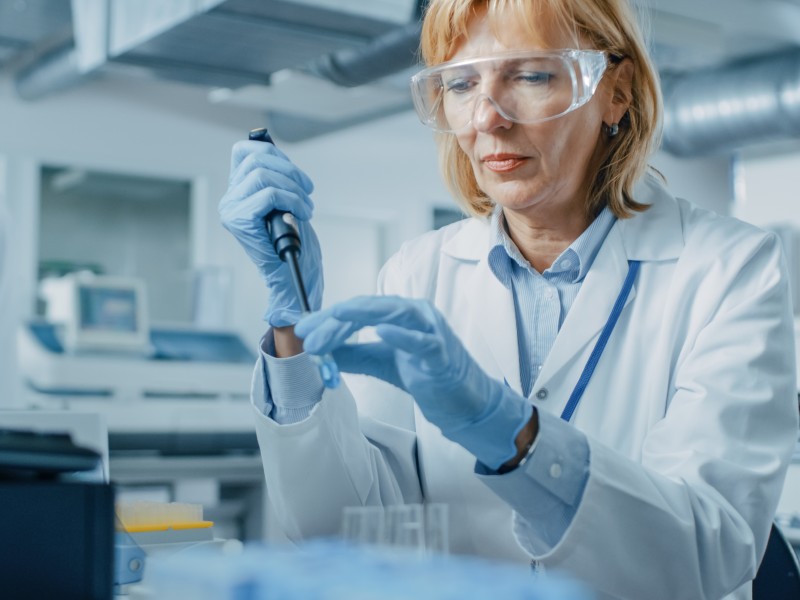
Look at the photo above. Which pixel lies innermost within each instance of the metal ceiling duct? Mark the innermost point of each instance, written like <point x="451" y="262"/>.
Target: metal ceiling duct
<point x="25" y="24"/>
<point x="717" y="110"/>
<point x="218" y="43"/>
<point x="386" y="54"/>
<point x="50" y="73"/>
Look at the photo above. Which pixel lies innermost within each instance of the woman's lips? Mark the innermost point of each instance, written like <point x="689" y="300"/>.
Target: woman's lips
<point x="503" y="163"/>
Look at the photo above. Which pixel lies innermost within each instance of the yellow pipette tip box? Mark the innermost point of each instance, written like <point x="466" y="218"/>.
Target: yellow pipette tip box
<point x="145" y="517"/>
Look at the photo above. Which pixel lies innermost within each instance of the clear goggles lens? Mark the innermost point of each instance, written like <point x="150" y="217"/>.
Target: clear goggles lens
<point x="527" y="87"/>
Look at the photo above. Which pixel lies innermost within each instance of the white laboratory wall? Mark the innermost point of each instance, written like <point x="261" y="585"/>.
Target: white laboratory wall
<point x="768" y="189"/>
<point x="9" y="383"/>
<point x="386" y="171"/>
<point x="129" y="227"/>
<point x="767" y="195"/>
<point x="767" y="185"/>
<point x="704" y="181"/>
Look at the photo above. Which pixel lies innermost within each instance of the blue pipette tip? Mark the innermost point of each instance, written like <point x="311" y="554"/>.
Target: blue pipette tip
<point x="328" y="371"/>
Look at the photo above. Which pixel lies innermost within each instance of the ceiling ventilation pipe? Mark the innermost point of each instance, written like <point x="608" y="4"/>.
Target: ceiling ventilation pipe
<point x="53" y="72"/>
<point x="382" y="56"/>
<point x="385" y="55"/>
<point x="717" y="110"/>
<point x="60" y="67"/>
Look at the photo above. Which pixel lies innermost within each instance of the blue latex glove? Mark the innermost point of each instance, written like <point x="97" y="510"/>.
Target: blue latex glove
<point x="419" y="353"/>
<point x="263" y="179"/>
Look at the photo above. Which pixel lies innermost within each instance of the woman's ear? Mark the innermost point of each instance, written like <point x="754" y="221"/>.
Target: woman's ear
<point x="621" y="82"/>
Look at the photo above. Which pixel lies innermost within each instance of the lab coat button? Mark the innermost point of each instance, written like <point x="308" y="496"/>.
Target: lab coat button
<point x="555" y="470"/>
<point x="542" y="394"/>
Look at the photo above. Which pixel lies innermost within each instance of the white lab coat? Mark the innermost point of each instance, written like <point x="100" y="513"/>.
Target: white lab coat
<point x="691" y="414"/>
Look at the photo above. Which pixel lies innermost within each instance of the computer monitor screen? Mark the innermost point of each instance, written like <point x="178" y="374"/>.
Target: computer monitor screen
<point x="100" y="313"/>
<point x="107" y="309"/>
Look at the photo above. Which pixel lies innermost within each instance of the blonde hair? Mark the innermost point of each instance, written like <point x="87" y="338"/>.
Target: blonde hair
<point x="608" y="25"/>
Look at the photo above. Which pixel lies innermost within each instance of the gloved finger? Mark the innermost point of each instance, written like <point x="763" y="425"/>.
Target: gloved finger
<point x="410" y="341"/>
<point x="273" y="164"/>
<point x="310" y="322"/>
<point x="262" y="179"/>
<point x="243" y="148"/>
<point x="254" y="239"/>
<point x="429" y="352"/>
<point x="243" y="152"/>
<point x="327" y="335"/>
<point x="374" y="310"/>
<point x="249" y="217"/>
<point x="246" y="201"/>
<point x="272" y="175"/>
<point x="360" y="312"/>
<point x="261" y="201"/>
<point x="375" y="359"/>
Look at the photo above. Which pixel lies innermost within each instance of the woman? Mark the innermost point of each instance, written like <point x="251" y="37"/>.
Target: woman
<point x="602" y="375"/>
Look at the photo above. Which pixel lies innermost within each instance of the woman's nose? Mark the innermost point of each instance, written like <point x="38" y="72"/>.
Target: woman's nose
<point x="487" y="115"/>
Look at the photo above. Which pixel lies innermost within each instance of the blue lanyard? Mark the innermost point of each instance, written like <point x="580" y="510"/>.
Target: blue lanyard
<point x="594" y="358"/>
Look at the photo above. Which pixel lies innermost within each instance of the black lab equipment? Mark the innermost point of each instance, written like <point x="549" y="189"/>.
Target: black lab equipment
<point x="56" y="531"/>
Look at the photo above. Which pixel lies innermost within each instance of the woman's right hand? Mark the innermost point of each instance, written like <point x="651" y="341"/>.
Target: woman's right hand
<point x="263" y="179"/>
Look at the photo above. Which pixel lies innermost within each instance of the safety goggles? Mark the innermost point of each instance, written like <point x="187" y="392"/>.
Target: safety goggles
<point x="524" y="87"/>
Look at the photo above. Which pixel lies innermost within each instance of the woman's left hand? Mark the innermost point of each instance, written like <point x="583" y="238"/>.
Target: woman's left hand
<point x="421" y="354"/>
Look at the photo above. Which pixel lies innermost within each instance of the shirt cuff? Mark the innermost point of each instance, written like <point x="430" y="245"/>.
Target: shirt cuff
<point x="546" y="491"/>
<point x="294" y="383"/>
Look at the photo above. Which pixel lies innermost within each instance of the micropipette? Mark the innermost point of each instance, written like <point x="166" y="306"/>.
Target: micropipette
<point x="282" y="228"/>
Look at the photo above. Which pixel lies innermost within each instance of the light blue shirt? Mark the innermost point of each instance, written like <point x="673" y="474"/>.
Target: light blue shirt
<point x="542" y="301"/>
<point x="545" y="504"/>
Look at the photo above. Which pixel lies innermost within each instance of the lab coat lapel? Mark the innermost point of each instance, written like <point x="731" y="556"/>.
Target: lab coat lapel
<point x="654" y="235"/>
<point x="592" y="306"/>
<point x="492" y="309"/>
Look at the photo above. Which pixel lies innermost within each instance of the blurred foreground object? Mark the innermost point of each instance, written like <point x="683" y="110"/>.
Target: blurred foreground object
<point x="155" y="528"/>
<point x="57" y="530"/>
<point x="328" y="570"/>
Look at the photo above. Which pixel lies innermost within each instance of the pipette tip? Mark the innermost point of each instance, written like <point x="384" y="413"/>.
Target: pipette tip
<point x="328" y="371"/>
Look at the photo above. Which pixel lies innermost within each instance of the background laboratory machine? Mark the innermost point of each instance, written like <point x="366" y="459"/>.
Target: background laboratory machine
<point x="122" y="326"/>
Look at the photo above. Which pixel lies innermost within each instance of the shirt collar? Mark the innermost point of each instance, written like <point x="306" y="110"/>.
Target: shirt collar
<point x="574" y="262"/>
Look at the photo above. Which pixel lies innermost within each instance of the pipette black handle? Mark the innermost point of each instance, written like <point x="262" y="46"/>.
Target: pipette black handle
<point x="283" y="231"/>
<point x="280" y="224"/>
